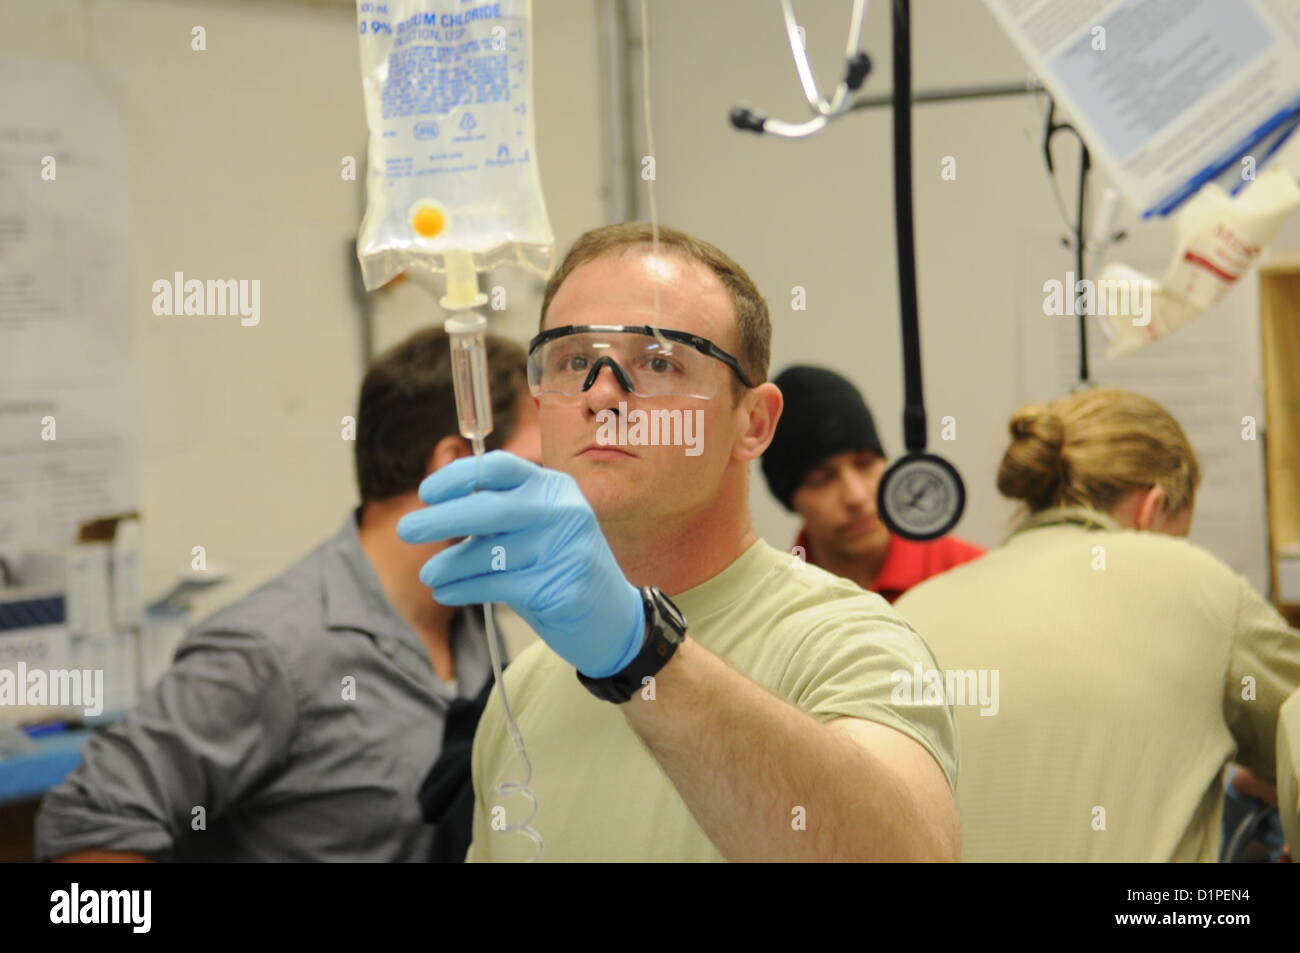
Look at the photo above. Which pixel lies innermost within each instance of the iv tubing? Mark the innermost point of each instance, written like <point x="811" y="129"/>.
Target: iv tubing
<point x="505" y="789"/>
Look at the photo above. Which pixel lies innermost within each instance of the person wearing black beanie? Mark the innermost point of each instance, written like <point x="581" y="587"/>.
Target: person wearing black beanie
<point x="825" y="463"/>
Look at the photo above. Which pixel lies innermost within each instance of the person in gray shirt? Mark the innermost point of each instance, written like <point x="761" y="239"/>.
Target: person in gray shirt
<point x="298" y="723"/>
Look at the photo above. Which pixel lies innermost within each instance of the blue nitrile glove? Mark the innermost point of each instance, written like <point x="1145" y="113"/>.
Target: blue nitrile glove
<point x="554" y="566"/>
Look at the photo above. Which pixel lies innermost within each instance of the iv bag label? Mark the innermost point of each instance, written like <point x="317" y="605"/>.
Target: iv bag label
<point x="467" y="74"/>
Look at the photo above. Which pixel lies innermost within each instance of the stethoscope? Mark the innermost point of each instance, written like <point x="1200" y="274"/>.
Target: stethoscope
<point x="921" y="495"/>
<point x="855" y="74"/>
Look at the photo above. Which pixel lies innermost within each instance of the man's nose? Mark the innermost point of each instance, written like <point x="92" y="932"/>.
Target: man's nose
<point x="606" y="391"/>
<point x="857" y="492"/>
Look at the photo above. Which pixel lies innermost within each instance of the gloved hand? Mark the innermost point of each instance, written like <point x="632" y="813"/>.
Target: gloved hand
<point x="554" y="567"/>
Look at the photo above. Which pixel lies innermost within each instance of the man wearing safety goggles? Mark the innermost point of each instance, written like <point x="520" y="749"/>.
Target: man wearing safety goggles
<point x="565" y="361"/>
<point x="731" y="702"/>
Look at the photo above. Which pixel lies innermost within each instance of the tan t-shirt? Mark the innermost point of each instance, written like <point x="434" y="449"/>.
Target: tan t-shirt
<point x="1131" y="667"/>
<point x="810" y="637"/>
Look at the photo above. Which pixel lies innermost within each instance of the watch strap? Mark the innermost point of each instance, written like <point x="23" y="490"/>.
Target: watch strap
<point x="664" y="630"/>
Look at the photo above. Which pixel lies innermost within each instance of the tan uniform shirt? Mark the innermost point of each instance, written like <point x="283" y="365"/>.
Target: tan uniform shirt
<point x="1131" y="666"/>
<point x="810" y="637"/>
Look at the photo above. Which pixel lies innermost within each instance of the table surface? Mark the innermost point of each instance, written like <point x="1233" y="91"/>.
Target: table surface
<point x="26" y="776"/>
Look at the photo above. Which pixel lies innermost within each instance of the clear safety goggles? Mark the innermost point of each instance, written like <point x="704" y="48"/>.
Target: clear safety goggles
<point x="646" y="361"/>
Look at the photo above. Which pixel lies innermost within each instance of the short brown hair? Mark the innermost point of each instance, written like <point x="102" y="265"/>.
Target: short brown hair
<point x="753" y="325"/>
<point x="408" y="404"/>
<point x="1095" y="447"/>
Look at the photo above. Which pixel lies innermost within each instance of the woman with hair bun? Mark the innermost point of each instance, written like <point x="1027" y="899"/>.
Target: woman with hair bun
<point x="1110" y="669"/>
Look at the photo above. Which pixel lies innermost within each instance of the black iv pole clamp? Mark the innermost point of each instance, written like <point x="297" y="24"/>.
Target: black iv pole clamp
<point x="921" y="495"/>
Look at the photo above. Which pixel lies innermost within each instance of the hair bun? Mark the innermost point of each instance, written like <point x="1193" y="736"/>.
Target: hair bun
<point x="1038" y="423"/>
<point x="1032" y="468"/>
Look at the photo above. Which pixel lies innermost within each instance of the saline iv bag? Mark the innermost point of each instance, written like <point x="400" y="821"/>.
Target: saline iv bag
<point x="452" y="158"/>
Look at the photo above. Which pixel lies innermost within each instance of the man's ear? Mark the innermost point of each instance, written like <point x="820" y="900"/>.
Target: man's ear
<point x="449" y="448"/>
<point x="762" y="406"/>
<point x="1150" y="514"/>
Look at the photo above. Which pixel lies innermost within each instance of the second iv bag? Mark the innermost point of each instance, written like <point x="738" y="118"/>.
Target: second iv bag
<point x="452" y="161"/>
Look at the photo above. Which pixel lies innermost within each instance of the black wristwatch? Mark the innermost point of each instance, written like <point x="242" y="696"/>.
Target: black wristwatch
<point x="665" y="628"/>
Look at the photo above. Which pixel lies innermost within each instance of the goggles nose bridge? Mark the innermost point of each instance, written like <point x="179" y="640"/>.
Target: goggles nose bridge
<point x="620" y="375"/>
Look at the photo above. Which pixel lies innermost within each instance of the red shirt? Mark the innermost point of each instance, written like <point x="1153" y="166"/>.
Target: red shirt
<point x="908" y="563"/>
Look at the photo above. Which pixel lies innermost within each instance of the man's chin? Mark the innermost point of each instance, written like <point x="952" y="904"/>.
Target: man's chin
<point x="863" y="544"/>
<point x="607" y="490"/>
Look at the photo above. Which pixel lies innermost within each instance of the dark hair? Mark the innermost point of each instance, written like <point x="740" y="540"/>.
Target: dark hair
<point x="753" y="325"/>
<point x="408" y="404"/>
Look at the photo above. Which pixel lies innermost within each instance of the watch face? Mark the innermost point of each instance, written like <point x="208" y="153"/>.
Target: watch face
<point x="921" y="497"/>
<point x="670" y="614"/>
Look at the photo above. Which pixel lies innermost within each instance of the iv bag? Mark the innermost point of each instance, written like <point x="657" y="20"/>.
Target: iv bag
<point x="1219" y="238"/>
<point x="453" y="164"/>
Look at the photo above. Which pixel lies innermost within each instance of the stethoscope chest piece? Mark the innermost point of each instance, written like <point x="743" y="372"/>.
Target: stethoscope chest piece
<point x="921" y="497"/>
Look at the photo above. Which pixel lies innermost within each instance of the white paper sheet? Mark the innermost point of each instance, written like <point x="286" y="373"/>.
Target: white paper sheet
<point x="64" y="306"/>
